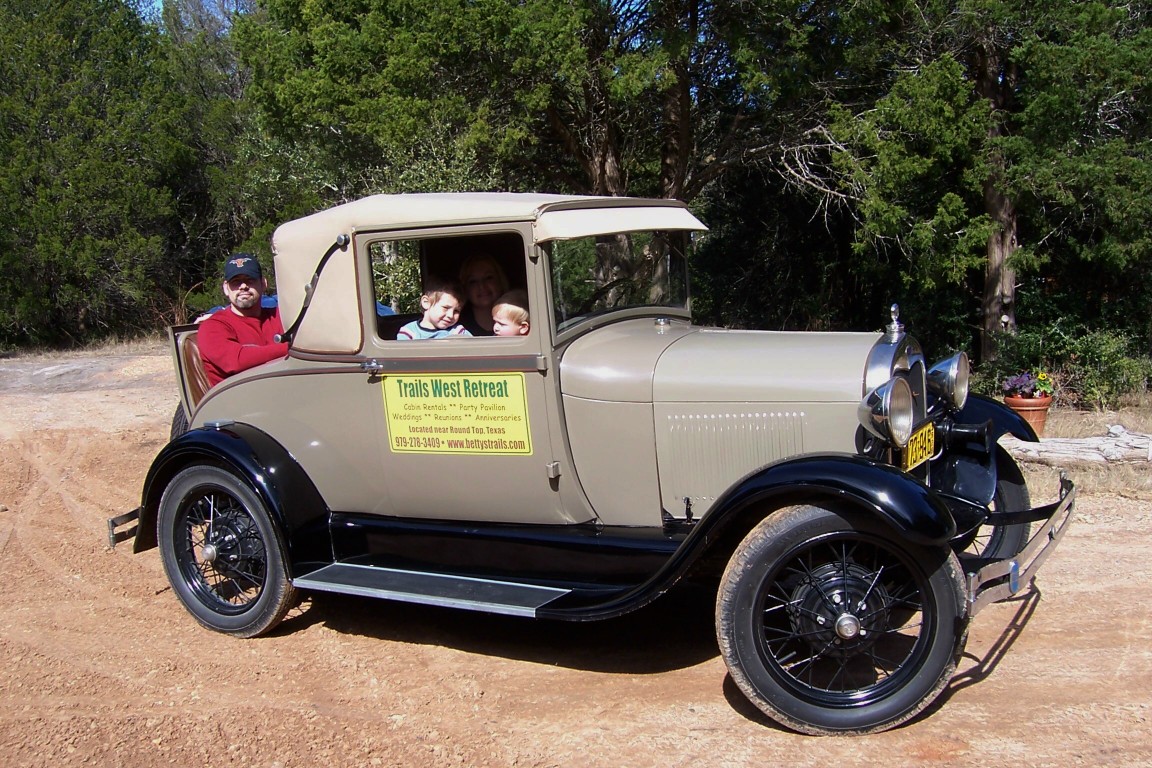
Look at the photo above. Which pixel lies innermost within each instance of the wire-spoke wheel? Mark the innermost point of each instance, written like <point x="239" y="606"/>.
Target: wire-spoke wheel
<point x="222" y="554"/>
<point x="832" y="623"/>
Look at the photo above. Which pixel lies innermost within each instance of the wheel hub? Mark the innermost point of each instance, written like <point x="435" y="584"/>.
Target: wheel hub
<point x="848" y="627"/>
<point x="229" y="545"/>
<point x="839" y="609"/>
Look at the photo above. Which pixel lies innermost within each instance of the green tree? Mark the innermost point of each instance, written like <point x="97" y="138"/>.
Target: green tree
<point x="1000" y="137"/>
<point x="85" y="157"/>
<point x="614" y="98"/>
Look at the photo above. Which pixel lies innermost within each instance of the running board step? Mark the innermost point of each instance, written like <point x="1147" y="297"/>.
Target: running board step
<point x="431" y="589"/>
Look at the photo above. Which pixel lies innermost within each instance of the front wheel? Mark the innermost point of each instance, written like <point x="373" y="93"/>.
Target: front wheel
<point x="222" y="554"/>
<point x="831" y="623"/>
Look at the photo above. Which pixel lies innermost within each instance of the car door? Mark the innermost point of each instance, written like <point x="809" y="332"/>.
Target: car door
<point x="464" y="422"/>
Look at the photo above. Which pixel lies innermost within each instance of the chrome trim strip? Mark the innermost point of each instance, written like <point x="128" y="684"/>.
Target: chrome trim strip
<point x="480" y="364"/>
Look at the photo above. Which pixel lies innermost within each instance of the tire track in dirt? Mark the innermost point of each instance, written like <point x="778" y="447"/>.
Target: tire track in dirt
<point x="58" y="520"/>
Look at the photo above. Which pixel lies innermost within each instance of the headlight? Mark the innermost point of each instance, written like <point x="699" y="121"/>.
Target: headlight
<point x="948" y="380"/>
<point x="886" y="412"/>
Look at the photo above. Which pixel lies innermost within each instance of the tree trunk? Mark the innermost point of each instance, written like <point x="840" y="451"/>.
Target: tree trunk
<point x="677" y="120"/>
<point x="996" y="81"/>
<point x="999" y="303"/>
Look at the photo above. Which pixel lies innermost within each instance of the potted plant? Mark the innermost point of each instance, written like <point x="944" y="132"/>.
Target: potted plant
<point x="1030" y="394"/>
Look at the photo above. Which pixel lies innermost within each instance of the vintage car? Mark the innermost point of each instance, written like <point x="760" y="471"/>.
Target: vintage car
<point x="848" y="499"/>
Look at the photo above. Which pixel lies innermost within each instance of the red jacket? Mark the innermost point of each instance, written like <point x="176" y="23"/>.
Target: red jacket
<point x="230" y="343"/>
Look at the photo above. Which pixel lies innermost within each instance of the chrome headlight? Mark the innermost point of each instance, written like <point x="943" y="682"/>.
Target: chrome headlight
<point x="948" y="380"/>
<point x="887" y="412"/>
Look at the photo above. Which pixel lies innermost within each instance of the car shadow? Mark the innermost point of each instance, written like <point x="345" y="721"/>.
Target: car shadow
<point x="674" y="632"/>
<point x="985" y="665"/>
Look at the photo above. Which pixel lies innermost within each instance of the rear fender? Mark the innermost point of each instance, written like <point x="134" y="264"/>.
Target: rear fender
<point x="254" y="457"/>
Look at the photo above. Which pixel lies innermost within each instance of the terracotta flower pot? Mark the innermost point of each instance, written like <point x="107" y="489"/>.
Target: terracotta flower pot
<point x="1033" y="410"/>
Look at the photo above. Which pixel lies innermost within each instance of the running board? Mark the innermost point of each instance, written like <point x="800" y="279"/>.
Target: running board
<point x="431" y="589"/>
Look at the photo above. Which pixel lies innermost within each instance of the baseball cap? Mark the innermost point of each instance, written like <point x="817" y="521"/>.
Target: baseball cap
<point x="242" y="264"/>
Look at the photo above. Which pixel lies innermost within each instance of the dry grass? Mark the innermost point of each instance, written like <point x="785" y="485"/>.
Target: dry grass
<point x="1127" y="480"/>
<point x="144" y="345"/>
<point x="1065" y="422"/>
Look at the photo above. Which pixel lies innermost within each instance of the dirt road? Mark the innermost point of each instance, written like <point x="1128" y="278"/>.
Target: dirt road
<point x="99" y="664"/>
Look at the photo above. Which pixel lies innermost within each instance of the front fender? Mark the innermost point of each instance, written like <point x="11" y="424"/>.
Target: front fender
<point x="257" y="459"/>
<point x="980" y="409"/>
<point x="910" y="507"/>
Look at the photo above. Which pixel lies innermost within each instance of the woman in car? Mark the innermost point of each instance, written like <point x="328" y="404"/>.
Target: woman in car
<point x="484" y="282"/>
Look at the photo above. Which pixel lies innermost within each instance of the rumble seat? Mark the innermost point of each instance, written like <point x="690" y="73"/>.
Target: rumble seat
<point x="193" y="367"/>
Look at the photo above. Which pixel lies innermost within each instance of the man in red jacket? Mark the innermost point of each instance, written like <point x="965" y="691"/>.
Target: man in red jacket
<point x="243" y="334"/>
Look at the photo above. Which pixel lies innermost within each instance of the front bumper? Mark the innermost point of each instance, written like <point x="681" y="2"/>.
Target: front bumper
<point x="1001" y="579"/>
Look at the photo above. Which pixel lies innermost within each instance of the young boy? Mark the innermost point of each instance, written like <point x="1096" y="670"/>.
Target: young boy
<point x="441" y="302"/>
<point x="510" y="314"/>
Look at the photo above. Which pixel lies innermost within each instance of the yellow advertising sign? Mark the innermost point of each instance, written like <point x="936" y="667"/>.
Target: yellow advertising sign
<point x="483" y="413"/>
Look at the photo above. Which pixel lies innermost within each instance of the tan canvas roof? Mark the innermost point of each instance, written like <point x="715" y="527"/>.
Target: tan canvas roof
<point x="333" y="320"/>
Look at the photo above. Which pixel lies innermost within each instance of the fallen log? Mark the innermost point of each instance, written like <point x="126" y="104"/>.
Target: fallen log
<point x="1119" y="446"/>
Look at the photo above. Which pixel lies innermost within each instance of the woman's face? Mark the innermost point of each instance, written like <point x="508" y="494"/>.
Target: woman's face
<point x="482" y="284"/>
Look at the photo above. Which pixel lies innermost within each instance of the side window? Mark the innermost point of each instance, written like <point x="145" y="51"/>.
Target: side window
<point x="484" y="265"/>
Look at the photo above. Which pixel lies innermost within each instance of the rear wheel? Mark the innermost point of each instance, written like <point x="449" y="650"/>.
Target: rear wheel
<point x="222" y="554"/>
<point x="179" y="423"/>
<point x="831" y="623"/>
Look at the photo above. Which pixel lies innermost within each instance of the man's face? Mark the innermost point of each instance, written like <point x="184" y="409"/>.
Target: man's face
<point x="441" y="313"/>
<point x="244" y="293"/>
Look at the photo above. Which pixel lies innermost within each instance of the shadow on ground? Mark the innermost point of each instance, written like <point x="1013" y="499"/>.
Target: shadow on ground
<point x="675" y="632"/>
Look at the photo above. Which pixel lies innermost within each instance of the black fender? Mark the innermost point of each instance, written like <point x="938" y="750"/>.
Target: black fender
<point x="841" y="480"/>
<point x="971" y="472"/>
<point x="913" y="509"/>
<point x="980" y="409"/>
<point x="294" y="503"/>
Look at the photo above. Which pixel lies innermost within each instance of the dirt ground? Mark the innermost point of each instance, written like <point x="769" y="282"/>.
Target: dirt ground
<point x="100" y="665"/>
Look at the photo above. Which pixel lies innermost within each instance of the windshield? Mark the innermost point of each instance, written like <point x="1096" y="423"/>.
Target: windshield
<point x="594" y="275"/>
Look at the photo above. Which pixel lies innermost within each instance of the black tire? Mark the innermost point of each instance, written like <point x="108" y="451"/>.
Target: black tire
<point x="222" y="553"/>
<point x="179" y="423"/>
<point x="800" y="651"/>
<point x="996" y="542"/>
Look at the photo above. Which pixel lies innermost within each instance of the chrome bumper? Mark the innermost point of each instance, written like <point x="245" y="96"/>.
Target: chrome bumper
<point x="1004" y="578"/>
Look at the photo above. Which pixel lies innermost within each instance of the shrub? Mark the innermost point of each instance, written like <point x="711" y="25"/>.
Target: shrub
<point x="1090" y="368"/>
<point x="1102" y="368"/>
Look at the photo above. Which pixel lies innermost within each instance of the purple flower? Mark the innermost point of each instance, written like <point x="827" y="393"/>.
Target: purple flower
<point x="1020" y="385"/>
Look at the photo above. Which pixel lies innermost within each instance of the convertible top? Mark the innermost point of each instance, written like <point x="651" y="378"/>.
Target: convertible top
<point x="333" y="320"/>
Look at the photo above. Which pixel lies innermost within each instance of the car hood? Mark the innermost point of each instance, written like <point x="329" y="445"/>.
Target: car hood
<point x="648" y="361"/>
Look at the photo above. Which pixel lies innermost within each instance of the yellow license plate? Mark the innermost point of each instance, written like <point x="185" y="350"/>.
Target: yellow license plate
<point x="921" y="447"/>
